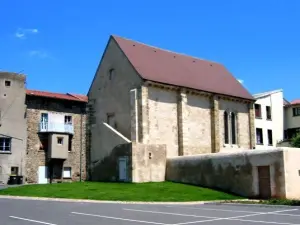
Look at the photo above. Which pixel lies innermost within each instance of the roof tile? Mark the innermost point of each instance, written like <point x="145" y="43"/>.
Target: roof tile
<point x="69" y="97"/>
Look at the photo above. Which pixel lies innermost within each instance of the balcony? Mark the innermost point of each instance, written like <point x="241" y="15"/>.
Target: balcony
<point x="55" y="127"/>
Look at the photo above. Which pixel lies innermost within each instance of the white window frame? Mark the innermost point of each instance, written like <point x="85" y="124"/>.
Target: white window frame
<point x="67" y="171"/>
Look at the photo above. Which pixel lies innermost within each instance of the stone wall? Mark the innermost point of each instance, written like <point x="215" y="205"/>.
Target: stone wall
<point x="148" y="163"/>
<point x="36" y="155"/>
<point x="145" y="163"/>
<point x="230" y="172"/>
<point x="188" y="122"/>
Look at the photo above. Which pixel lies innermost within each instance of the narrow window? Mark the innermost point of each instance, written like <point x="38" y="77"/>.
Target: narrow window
<point x="269" y="114"/>
<point x="70" y="143"/>
<point x="226" y="132"/>
<point x="111" y="74"/>
<point x="43" y="142"/>
<point x="257" y="111"/>
<point x="5" y="144"/>
<point x="233" y="128"/>
<point x="7" y="83"/>
<point x="270" y="137"/>
<point x="259" y="136"/>
<point x="111" y="120"/>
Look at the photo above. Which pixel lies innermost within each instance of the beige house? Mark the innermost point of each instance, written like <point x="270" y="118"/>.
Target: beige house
<point x="56" y="141"/>
<point x="12" y="125"/>
<point x="144" y="100"/>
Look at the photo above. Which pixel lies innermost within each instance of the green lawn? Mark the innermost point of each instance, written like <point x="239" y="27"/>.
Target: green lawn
<point x="166" y="191"/>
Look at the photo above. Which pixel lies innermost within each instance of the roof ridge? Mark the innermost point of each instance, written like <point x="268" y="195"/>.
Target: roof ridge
<point x="267" y="93"/>
<point x="167" y="50"/>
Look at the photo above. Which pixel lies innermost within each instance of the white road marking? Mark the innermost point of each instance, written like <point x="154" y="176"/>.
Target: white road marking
<point x="284" y="214"/>
<point x="168" y="213"/>
<point x="117" y="218"/>
<point x="34" y="221"/>
<point x="236" y="217"/>
<point x="211" y="209"/>
<point x="260" y="221"/>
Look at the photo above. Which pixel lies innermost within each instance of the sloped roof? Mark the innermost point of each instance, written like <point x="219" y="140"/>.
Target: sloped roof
<point x="172" y="68"/>
<point x="67" y="96"/>
<point x="295" y="102"/>
<point x="267" y="93"/>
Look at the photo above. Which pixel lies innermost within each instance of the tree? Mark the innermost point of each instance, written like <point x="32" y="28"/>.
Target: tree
<point x="295" y="142"/>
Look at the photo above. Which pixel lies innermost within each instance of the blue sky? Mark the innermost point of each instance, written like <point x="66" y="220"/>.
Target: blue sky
<point x="58" y="44"/>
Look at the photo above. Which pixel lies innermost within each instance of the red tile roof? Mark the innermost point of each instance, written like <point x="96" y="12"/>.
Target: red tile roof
<point x="295" y="102"/>
<point x="167" y="67"/>
<point x="67" y="96"/>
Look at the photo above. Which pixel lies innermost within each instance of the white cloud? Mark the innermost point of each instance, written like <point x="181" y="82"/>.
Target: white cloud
<point x="241" y="81"/>
<point x="21" y="33"/>
<point x="38" y="53"/>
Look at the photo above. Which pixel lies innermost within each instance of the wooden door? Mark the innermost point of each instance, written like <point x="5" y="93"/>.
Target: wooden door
<point x="264" y="182"/>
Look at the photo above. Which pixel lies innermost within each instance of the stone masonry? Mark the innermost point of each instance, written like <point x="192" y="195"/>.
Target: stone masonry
<point x="36" y="155"/>
<point x="189" y="122"/>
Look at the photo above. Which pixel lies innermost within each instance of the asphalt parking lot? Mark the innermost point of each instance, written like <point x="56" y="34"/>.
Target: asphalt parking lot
<point x="29" y="212"/>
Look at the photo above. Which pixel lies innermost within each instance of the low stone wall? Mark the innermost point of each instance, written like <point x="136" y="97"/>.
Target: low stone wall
<point x="231" y="172"/>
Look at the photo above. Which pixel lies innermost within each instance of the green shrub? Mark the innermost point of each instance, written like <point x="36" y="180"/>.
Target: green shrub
<point x="295" y="142"/>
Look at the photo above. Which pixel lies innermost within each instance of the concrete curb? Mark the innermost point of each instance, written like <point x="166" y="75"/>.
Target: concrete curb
<point x="111" y="202"/>
<point x="251" y="205"/>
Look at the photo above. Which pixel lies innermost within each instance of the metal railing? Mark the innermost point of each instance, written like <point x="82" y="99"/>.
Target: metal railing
<point x="56" y="127"/>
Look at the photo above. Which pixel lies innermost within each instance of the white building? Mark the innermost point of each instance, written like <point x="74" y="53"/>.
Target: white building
<point x="269" y="119"/>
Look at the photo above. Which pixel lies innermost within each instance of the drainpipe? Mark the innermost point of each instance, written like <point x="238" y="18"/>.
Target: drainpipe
<point x="80" y="167"/>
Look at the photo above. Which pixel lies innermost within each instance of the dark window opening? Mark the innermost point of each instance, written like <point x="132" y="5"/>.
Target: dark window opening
<point x="43" y="142"/>
<point x="60" y="140"/>
<point x="70" y="143"/>
<point x="233" y="128"/>
<point x="257" y="111"/>
<point x="14" y="171"/>
<point x="269" y="114"/>
<point x="270" y="137"/>
<point x="259" y="136"/>
<point x="7" y="83"/>
<point x="296" y="111"/>
<point x="68" y="119"/>
<point x="226" y="133"/>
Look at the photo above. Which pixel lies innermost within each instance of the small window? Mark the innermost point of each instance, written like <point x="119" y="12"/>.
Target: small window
<point x="5" y="144"/>
<point x="68" y="119"/>
<point x="67" y="172"/>
<point x="269" y="114"/>
<point x="60" y="140"/>
<point x="257" y="111"/>
<point x="296" y="111"/>
<point x="7" y="83"/>
<point x="233" y="128"/>
<point x="111" y="74"/>
<point x="270" y="137"/>
<point x="111" y="120"/>
<point x="14" y="171"/>
<point x="259" y="136"/>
